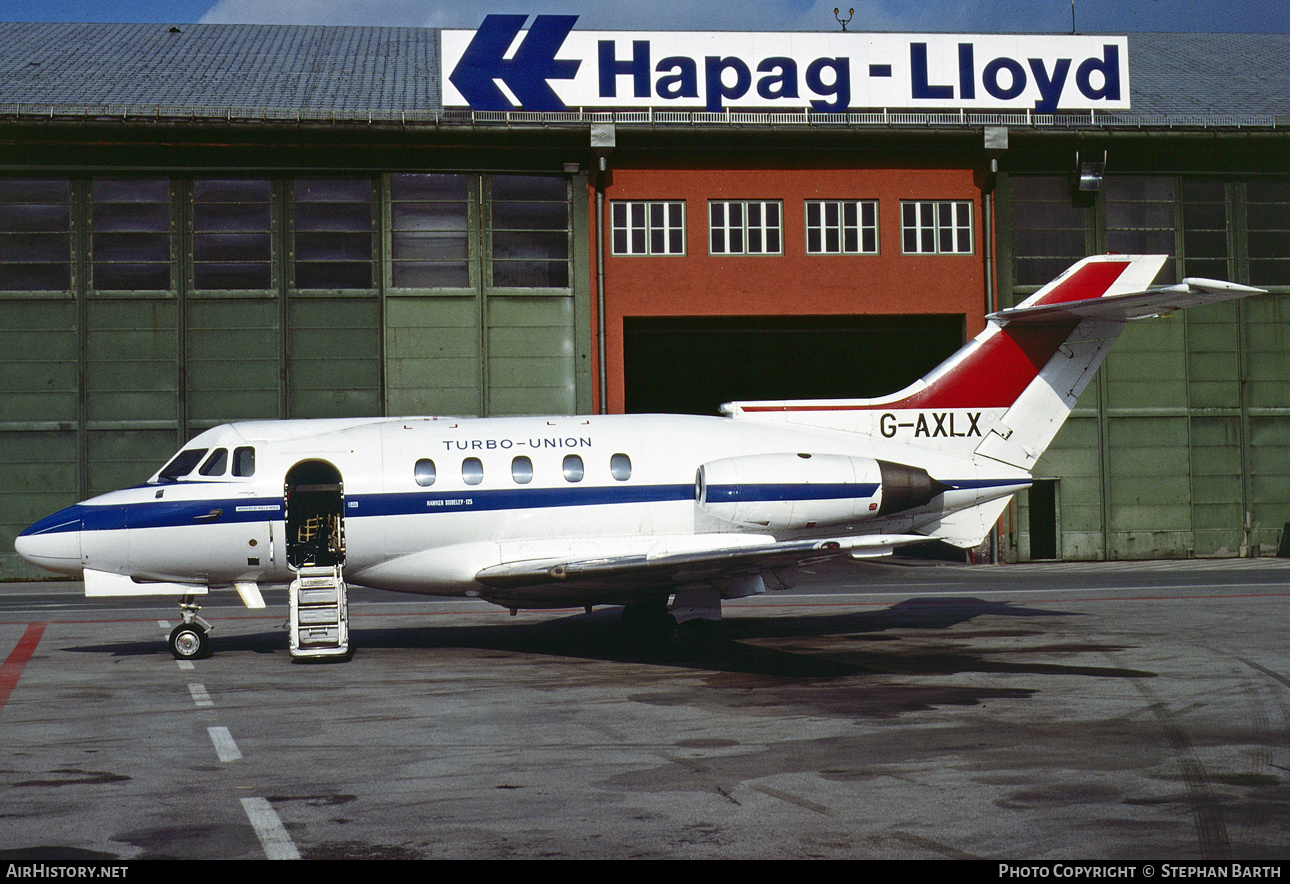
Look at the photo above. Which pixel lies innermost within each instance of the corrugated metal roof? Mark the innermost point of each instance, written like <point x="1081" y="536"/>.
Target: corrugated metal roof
<point x="361" y="73"/>
<point x="1185" y="74"/>
<point x="342" y="69"/>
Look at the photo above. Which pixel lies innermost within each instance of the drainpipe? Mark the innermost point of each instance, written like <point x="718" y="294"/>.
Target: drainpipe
<point x="995" y="142"/>
<point x="602" y="145"/>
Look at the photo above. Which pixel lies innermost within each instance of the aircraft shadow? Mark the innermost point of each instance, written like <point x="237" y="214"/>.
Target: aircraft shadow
<point x="810" y="646"/>
<point x="791" y="646"/>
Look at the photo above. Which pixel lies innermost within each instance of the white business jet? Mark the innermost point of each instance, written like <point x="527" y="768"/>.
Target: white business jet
<point x="631" y="510"/>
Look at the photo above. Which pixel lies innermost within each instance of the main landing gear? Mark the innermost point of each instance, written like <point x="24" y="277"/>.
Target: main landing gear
<point x="190" y="640"/>
<point x="653" y="624"/>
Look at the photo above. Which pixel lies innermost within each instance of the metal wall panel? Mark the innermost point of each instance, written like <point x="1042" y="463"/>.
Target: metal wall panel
<point x="233" y="363"/>
<point x="531" y="362"/>
<point x="281" y="303"/>
<point x="1181" y="446"/>
<point x="334" y="357"/>
<point x="432" y="355"/>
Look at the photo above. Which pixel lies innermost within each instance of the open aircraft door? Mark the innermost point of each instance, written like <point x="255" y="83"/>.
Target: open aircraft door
<point x="314" y="498"/>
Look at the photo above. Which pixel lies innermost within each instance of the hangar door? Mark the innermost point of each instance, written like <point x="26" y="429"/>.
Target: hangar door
<point x="691" y="365"/>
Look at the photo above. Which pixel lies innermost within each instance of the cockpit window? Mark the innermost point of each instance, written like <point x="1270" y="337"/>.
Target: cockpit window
<point x="182" y="465"/>
<point x="216" y="464"/>
<point x="244" y="461"/>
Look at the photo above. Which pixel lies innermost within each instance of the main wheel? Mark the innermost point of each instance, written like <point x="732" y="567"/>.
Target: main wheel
<point x="693" y="637"/>
<point x="188" y="641"/>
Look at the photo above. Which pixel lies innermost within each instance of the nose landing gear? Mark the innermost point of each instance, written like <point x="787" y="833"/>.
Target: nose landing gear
<point x="190" y="640"/>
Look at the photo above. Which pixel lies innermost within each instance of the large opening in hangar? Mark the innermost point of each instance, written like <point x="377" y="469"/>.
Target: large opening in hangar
<point x="690" y="365"/>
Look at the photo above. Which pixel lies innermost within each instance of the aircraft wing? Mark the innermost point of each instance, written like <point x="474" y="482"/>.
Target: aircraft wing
<point x="578" y="580"/>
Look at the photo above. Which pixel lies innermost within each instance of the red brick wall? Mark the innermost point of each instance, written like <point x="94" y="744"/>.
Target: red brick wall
<point x="699" y="284"/>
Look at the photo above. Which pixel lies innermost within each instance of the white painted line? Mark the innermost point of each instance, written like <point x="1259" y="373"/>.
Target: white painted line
<point x="164" y="624"/>
<point x="224" y="744"/>
<point x="273" y="835"/>
<point x="200" y="695"/>
<point x="185" y="664"/>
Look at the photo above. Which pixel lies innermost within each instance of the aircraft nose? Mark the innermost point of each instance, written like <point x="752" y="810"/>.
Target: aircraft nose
<point x="53" y="543"/>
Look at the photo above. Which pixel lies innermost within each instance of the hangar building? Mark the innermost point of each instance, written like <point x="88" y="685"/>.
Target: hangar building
<point x="203" y="223"/>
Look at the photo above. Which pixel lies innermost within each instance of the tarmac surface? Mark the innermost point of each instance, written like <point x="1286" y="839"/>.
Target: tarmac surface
<point x="1042" y="712"/>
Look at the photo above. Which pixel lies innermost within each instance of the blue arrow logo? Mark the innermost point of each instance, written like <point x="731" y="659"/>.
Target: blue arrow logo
<point x="525" y="74"/>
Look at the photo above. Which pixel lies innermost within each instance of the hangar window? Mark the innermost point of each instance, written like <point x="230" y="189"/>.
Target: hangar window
<point x="472" y="471"/>
<point x="232" y="233"/>
<point x="648" y="228"/>
<point x="522" y="470"/>
<point x="428" y="231"/>
<point x="530" y="231"/>
<point x="936" y="227"/>
<point x="573" y="469"/>
<point x="842" y="227"/>
<point x="1204" y="218"/>
<point x="1049" y="228"/>
<point x="35" y="235"/>
<point x="1140" y="217"/>
<point x="333" y="233"/>
<point x="424" y="472"/>
<point x="745" y="227"/>
<point x="130" y="234"/>
<point x="1268" y="220"/>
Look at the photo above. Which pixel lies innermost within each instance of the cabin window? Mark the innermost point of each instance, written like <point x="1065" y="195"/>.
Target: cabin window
<point x="573" y="468"/>
<point x="472" y="471"/>
<point x="183" y="463"/>
<point x="216" y="464"/>
<point x="522" y="470"/>
<point x="620" y="467"/>
<point x="424" y="472"/>
<point x="244" y="461"/>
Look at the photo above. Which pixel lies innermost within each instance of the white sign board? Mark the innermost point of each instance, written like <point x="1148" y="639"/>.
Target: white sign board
<point x="551" y="67"/>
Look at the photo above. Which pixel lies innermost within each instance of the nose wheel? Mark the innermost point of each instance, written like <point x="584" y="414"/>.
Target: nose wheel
<point x="190" y="640"/>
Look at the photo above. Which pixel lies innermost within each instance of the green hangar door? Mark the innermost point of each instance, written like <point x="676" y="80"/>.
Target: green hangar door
<point x="691" y="365"/>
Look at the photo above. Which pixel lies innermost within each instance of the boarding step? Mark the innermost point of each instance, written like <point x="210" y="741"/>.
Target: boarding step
<point x="319" y="613"/>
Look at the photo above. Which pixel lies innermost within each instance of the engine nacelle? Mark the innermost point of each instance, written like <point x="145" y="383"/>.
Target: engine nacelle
<point x="804" y="491"/>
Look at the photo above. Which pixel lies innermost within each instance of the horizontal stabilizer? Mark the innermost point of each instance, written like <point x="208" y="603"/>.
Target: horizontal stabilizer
<point x="1131" y="305"/>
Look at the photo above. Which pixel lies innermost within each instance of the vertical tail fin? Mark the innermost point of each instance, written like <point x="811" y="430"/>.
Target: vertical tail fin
<point x="1005" y="394"/>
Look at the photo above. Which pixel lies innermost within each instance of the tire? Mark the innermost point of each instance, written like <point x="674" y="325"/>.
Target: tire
<point x="188" y="641"/>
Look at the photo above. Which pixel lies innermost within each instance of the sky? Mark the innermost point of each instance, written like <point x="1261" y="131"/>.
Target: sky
<point x="918" y="16"/>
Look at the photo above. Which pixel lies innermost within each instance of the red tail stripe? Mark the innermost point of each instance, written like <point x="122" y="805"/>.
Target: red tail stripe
<point x="997" y="373"/>
<point x="991" y="376"/>
<point x="1090" y="281"/>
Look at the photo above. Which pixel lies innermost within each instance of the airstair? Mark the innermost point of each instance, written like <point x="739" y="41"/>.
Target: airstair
<point x="319" y="615"/>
